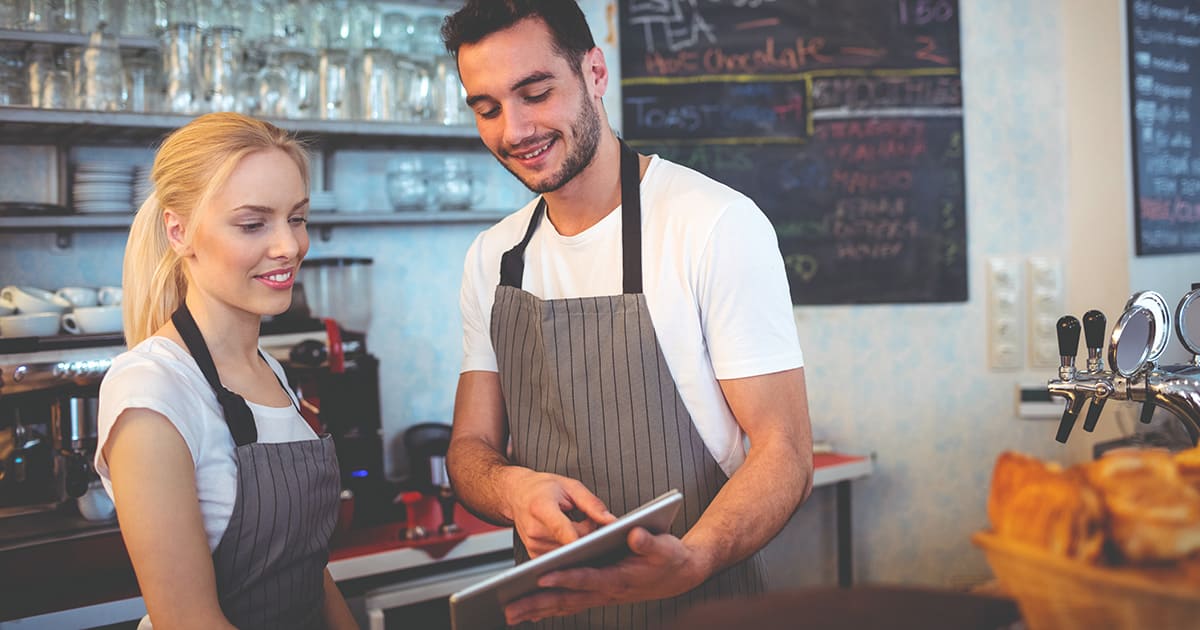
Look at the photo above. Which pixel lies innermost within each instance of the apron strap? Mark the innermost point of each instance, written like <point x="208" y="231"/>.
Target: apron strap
<point x="512" y="262"/>
<point x="237" y="413"/>
<point x="631" y="221"/>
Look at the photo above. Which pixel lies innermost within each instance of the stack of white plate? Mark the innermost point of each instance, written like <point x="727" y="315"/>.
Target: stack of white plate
<point x="142" y="186"/>
<point x="103" y="187"/>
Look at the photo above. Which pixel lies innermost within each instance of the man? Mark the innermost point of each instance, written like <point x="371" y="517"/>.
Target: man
<point x="623" y="334"/>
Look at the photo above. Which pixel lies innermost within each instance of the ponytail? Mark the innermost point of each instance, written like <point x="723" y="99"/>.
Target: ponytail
<point x="152" y="278"/>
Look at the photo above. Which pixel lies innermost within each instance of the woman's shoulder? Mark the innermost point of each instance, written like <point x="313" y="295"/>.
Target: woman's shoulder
<point x="152" y="366"/>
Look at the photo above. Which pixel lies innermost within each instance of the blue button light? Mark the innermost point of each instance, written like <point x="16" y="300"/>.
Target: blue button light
<point x="360" y="473"/>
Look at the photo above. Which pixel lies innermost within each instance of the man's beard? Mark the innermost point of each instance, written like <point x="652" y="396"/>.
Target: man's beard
<point x="586" y="132"/>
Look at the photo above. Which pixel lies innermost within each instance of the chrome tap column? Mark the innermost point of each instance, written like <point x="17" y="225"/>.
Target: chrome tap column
<point x="1137" y="342"/>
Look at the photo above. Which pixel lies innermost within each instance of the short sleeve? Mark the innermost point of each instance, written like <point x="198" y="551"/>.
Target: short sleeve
<point x="746" y="308"/>
<point x="144" y="381"/>
<point x="478" y="353"/>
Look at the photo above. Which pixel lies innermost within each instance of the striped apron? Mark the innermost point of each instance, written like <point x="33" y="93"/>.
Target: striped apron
<point x="588" y="395"/>
<point x="270" y="562"/>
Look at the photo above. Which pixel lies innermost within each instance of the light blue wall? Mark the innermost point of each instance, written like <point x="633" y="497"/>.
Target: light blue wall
<point x="908" y="383"/>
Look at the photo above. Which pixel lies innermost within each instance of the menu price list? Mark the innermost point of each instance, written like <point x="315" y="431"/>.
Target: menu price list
<point x="1164" y="68"/>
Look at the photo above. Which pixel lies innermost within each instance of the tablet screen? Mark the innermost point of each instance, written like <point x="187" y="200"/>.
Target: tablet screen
<point x="481" y="606"/>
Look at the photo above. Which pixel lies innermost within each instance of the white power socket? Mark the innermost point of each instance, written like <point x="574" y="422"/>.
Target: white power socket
<point x="1045" y="308"/>
<point x="1005" y="310"/>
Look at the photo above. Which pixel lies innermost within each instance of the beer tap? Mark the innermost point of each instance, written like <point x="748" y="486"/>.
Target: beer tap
<point x="1068" y="346"/>
<point x="1133" y="374"/>
<point x="1094" y="324"/>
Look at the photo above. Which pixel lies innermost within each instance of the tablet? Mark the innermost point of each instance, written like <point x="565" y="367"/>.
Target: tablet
<point x="481" y="606"/>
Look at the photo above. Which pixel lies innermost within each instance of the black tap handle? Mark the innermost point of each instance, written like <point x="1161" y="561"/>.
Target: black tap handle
<point x="447" y="500"/>
<point x="1093" y="414"/>
<point x="1093" y="328"/>
<point x="1068" y="336"/>
<point x="1147" y="408"/>
<point x="1069" y="416"/>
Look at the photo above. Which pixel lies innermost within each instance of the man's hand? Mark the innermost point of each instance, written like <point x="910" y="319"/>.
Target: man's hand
<point x="659" y="567"/>
<point x="539" y="505"/>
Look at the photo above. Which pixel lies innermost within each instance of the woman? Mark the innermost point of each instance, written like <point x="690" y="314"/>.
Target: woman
<point x="226" y="497"/>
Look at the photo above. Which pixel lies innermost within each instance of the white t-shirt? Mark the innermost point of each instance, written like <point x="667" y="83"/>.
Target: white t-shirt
<point x="159" y="375"/>
<point x="712" y="275"/>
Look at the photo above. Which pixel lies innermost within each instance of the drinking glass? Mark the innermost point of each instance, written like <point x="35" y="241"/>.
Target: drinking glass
<point x="407" y="188"/>
<point x="454" y="186"/>
<point x="14" y="83"/>
<point x="57" y="88"/>
<point x="448" y="96"/>
<point x="139" y="18"/>
<point x="141" y="83"/>
<point x="222" y="68"/>
<point x="11" y="15"/>
<point x="39" y="60"/>
<point x="427" y="42"/>
<point x="299" y="68"/>
<point x="396" y="32"/>
<point x="378" y="88"/>
<point x="181" y="51"/>
<point x="106" y="16"/>
<point x="98" y="76"/>
<point x="336" y="84"/>
<point x="171" y="12"/>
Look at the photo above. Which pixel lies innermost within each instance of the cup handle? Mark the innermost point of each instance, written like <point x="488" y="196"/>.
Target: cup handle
<point x="69" y="324"/>
<point x="6" y="294"/>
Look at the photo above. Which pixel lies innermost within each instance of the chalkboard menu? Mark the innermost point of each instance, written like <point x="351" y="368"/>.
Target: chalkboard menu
<point x="1164" y="90"/>
<point x="842" y="119"/>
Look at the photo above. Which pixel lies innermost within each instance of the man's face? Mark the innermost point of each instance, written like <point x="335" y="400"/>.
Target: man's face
<point x="533" y="110"/>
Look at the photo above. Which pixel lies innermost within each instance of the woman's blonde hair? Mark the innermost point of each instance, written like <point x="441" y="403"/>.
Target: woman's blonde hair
<point x="190" y="166"/>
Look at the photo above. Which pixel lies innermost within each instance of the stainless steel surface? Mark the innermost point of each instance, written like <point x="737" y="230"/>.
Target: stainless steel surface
<point x="1187" y="323"/>
<point x="22" y="377"/>
<point x="81" y="420"/>
<point x="1172" y="387"/>
<point x="1160" y="314"/>
<point x="1131" y="319"/>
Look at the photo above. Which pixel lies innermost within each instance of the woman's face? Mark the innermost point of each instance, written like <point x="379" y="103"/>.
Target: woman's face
<point x="248" y="242"/>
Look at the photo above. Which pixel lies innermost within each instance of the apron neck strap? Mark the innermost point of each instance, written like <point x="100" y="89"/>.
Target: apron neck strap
<point x="512" y="263"/>
<point x="237" y="413"/>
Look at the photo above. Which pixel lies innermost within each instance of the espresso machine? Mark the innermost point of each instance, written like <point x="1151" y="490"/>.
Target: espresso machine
<point x="1134" y="348"/>
<point x="48" y="400"/>
<point x="337" y="382"/>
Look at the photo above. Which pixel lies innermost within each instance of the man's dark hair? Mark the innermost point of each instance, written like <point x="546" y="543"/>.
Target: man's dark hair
<point x="480" y="18"/>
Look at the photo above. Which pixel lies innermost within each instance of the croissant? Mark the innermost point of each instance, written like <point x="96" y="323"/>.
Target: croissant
<point x="1042" y="505"/>
<point x="1154" y="515"/>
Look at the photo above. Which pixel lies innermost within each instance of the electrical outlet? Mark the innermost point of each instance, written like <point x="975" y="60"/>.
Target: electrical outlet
<point x="1045" y="308"/>
<point x="1005" y="310"/>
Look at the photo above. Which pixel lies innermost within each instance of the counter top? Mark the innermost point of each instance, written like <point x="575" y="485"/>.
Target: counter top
<point x="65" y="569"/>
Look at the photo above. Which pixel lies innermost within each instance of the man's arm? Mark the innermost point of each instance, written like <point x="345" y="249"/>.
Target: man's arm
<point x="773" y="411"/>
<point x="749" y="510"/>
<point x="500" y="492"/>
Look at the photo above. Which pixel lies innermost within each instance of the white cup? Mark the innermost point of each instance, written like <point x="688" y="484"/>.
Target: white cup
<point x="110" y="296"/>
<point x="79" y="296"/>
<point x="91" y="320"/>
<point x="95" y="504"/>
<point x="29" y="325"/>
<point x="33" y="300"/>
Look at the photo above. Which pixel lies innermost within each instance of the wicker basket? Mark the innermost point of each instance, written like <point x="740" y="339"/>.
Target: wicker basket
<point x="1056" y="593"/>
